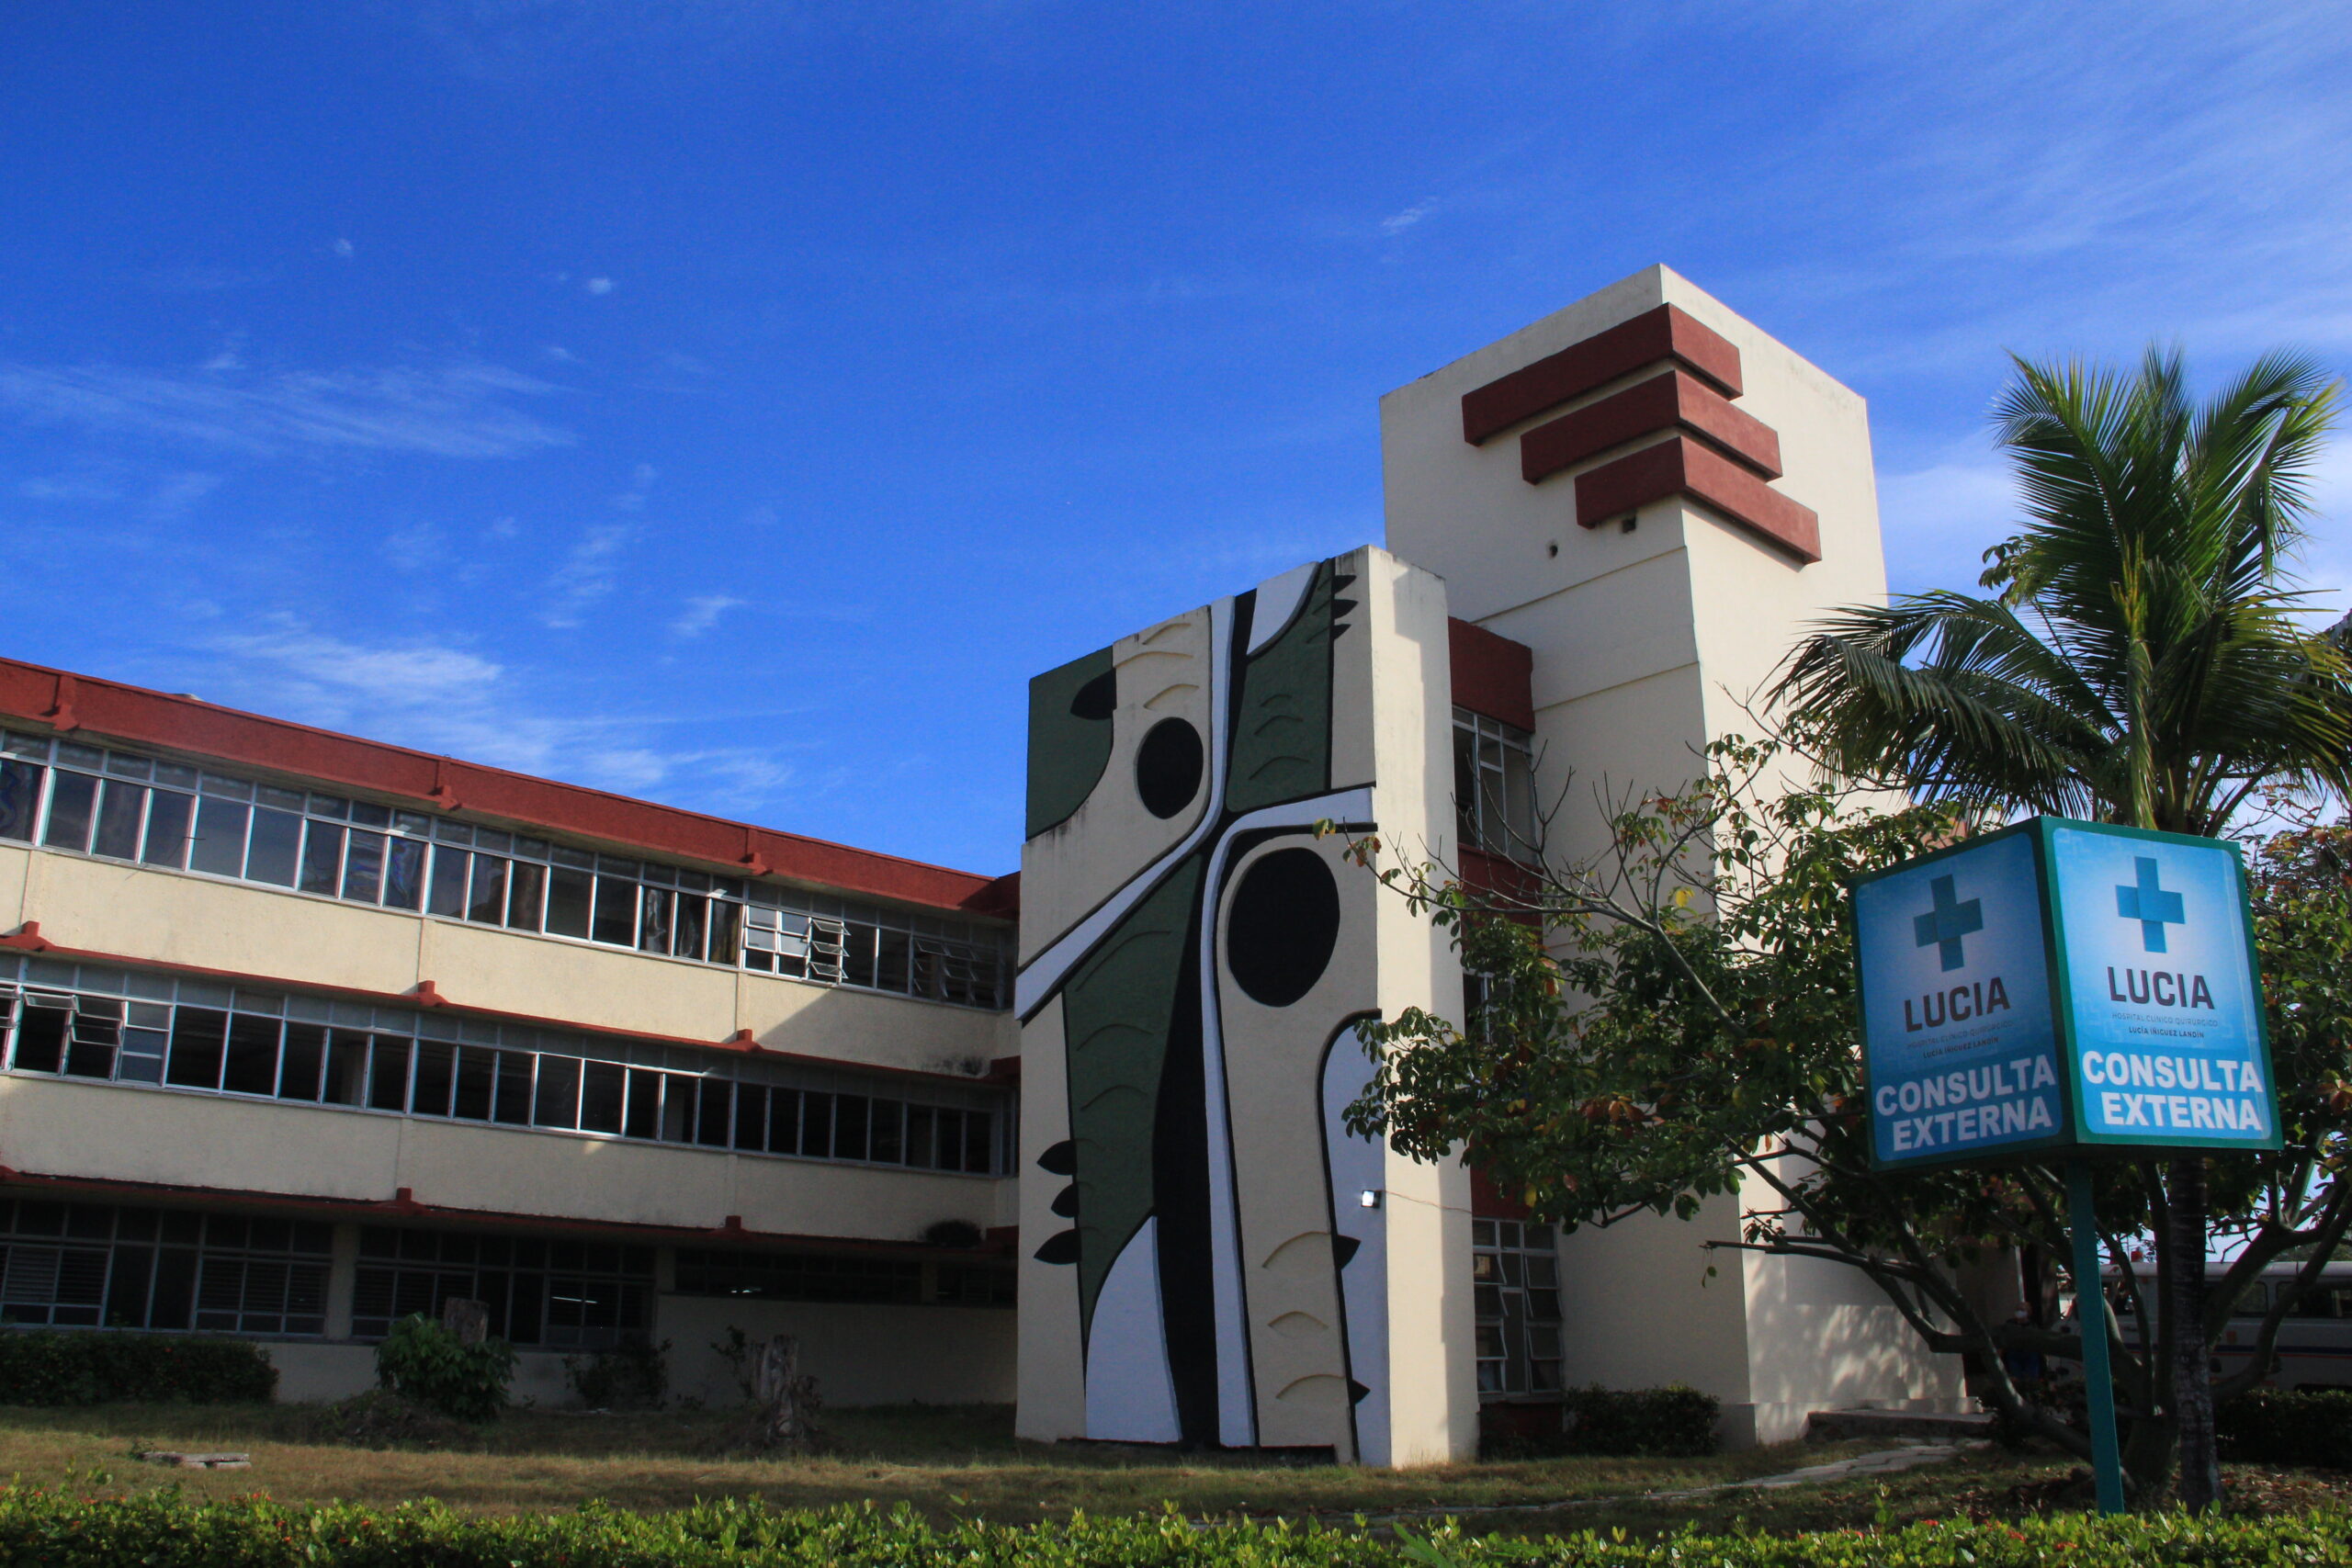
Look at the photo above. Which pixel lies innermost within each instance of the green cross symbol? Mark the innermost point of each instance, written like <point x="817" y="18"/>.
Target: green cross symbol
<point x="2149" y="904"/>
<point x="1943" y="926"/>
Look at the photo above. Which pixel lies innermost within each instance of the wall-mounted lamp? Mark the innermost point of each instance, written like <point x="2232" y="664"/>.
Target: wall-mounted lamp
<point x="1370" y="1199"/>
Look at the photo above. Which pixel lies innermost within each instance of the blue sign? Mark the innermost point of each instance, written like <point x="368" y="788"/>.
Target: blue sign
<point x="2162" y="1008"/>
<point x="1962" y="1053"/>
<point x="2061" y="985"/>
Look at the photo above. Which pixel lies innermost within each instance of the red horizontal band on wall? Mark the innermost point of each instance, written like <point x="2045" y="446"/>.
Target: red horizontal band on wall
<point x="1663" y="403"/>
<point x="111" y="710"/>
<point x="1666" y="333"/>
<point x="1683" y="466"/>
<point x="1492" y="675"/>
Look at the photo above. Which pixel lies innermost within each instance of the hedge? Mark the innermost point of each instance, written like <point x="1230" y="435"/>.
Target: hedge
<point x="1671" y="1422"/>
<point x="167" y="1531"/>
<point x="2270" y="1426"/>
<point x="104" y="1366"/>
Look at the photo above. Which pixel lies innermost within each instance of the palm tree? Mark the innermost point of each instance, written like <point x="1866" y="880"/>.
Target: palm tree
<point x="2144" y="658"/>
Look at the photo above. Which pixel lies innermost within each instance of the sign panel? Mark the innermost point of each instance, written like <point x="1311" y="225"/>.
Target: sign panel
<point x="2161" y="1006"/>
<point x="1961" y="1053"/>
<point x="2060" y="985"/>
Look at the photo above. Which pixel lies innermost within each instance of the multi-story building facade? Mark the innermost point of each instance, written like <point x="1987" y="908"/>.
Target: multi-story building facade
<point x="305" y="1032"/>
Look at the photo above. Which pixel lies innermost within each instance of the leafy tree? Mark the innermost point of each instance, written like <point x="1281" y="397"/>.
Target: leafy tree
<point x="2144" y="660"/>
<point x="1676" y="1020"/>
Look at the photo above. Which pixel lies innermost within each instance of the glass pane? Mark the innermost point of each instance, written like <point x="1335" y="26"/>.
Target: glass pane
<point x="557" y="1101"/>
<point x="616" y="911"/>
<point x="119" y="810"/>
<point x="569" y="894"/>
<point x="918" y="1136"/>
<point x="40" y="1040"/>
<point x="693" y="917"/>
<point x="403" y="873"/>
<point x="303" y="1059"/>
<point x="19" y="798"/>
<point x="817" y="1124"/>
<point x="851" y="1114"/>
<point x="449" y="895"/>
<point x="714" y="1119"/>
<point x="644" y="1120"/>
<point x="436" y="1075"/>
<point x="199" y="1036"/>
<point x="167" y="822"/>
<point x="72" y="800"/>
<point x="346" y="1067"/>
<point x="388" y="1073"/>
<point x="654" y="928"/>
<point x="253" y="1056"/>
<point x="220" y="846"/>
<point x="362" y="867"/>
<point x="487" y="901"/>
<point x="601" y="1092"/>
<point x="724" y="924"/>
<point x="276" y="842"/>
<point x="525" y="884"/>
<point x="887" y="1137"/>
<point x="783" y="1122"/>
<point x="322" y="858"/>
<point x="513" y="1104"/>
<point x="750" y="1116"/>
<point x="477" y="1071"/>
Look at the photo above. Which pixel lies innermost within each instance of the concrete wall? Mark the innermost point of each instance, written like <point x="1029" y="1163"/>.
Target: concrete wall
<point x="1648" y="644"/>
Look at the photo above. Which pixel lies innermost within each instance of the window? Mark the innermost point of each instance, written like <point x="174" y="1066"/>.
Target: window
<point x="122" y="806"/>
<point x="1494" y="785"/>
<point x="87" y="1022"/>
<point x="93" y="1265"/>
<point x="553" y="1294"/>
<point x="1516" y="1286"/>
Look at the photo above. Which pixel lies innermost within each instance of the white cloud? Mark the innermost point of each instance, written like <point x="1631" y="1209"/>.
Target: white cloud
<point x="441" y="697"/>
<point x="640" y="480"/>
<point x="459" y="411"/>
<point x="598" y="286"/>
<point x="68" y="489"/>
<point x="586" y="575"/>
<point x="1937" y="522"/>
<point x="177" y="494"/>
<point x="343" y="248"/>
<point x="1398" y="222"/>
<point x="702" y="613"/>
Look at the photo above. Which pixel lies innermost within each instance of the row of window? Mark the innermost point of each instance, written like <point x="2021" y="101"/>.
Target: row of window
<point x="100" y="1265"/>
<point x="135" y="1028"/>
<point x="87" y="1265"/>
<point x="123" y="807"/>
<point x="1516" y="1291"/>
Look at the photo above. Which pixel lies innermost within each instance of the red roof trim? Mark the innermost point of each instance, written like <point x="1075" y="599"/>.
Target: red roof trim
<point x="403" y="1206"/>
<point x="1492" y="674"/>
<point x="67" y="702"/>
<point x="27" y="938"/>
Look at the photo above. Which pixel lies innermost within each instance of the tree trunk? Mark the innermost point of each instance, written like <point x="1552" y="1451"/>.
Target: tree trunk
<point x="787" y="1400"/>
<point x="2192" y="1385"/>
<point x="467" y="1320"/>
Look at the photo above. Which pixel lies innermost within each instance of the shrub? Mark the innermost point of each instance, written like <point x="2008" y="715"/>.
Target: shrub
<point x="171" y="1529"/>
<point x="632" y="1375"/>
<point x="422" y="1361"/>
<point x="104" y="1366"/>
<point x="1671" y="1422"/>
<point x="2271" y="1425"/>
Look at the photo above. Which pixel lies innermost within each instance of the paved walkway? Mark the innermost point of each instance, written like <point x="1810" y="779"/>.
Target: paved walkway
<point x="1886" y="1461"/>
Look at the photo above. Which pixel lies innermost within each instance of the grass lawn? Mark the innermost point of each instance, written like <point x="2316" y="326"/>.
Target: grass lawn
<point x="949" y="1460"/>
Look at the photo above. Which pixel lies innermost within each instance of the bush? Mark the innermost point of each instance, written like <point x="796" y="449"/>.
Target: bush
<point x="424" y="1362"/>
<point x="1674" y="1422"/>
<point x="170" y="1529"/>
<point x="2270" y="1426"/>
<point x="632" y="1375"/>
<point x="103" y="1366"/>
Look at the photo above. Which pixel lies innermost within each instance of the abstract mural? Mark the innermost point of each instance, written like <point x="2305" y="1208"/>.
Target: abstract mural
<point x="1208" y="1260"/>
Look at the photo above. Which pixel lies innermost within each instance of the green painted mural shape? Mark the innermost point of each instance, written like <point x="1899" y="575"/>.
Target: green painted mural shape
<point x="1069" y="737"/>
<point x="1282" y="738"/>
<point x="1115" y="1014"/>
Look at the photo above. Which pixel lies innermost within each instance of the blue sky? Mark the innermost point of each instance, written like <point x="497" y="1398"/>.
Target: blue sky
<point x="734" y="403"/>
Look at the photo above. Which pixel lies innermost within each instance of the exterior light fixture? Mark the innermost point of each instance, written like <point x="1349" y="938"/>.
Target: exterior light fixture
<point x="1370" y="1199"/>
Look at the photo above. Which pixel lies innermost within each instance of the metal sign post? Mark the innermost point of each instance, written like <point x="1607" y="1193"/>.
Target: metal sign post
<point x="2099" y="1378"/>
<point x="2054" y="990"/>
